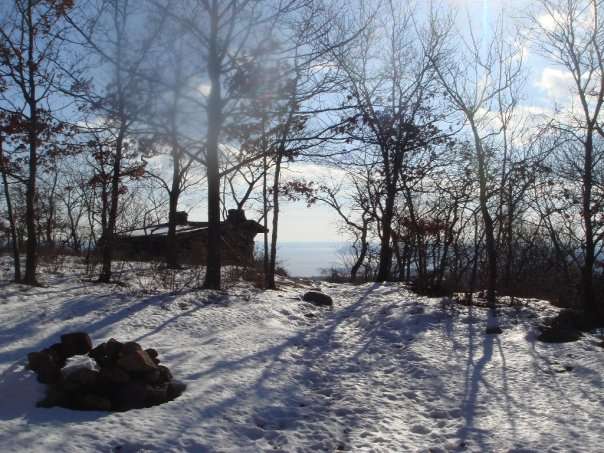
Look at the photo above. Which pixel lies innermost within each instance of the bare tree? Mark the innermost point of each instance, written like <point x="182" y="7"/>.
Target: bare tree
<point x="105" y="29"/>
<point x="390" y="81"/>
<point x="32" y="35"/>
<point x="225" y="36"/>
<point x="571" y="34"/>
<point x="481" y="80"/>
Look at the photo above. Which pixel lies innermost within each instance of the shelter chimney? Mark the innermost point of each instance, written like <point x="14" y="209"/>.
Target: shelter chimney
<point x="236" y="216"/>
<point x="181" y="217"/>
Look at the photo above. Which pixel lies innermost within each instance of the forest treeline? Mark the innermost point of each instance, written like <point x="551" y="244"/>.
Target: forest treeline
<point x="452" y="172"/>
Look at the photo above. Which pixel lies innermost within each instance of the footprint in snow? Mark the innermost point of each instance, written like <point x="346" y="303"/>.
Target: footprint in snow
<point x="252" y="433"/>
<point x="420" y="429"/>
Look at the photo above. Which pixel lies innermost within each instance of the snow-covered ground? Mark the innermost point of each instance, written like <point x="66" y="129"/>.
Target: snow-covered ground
<point x="384" y="370"/>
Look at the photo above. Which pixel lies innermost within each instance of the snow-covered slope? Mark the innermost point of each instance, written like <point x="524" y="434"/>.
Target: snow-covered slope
<point x="385" y="370"/>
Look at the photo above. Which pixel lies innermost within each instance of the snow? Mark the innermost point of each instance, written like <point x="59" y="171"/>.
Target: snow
<point x="384" y="370"/>
<point x="78" y="362"/>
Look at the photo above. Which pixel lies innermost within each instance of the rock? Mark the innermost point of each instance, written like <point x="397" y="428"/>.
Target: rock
<point x="318" y="298"/>
<point x="76" y="343"/>
<point x="82" y="380"/>
<point x="113" y="349"/>
<point x="493" y="330"/>
<point x="35" y="360"/>
<point x="55" y="396"/>
<point x="99" y="354"/>
<point x="47" y="370"/>
<point x="565" y="327"/>
<point x="132" y="395"/>
<point x="161" y="375"/>
<point x="129" y="348"/>
<point x="136" y="362"/>
<point x="156" y="395"/>
<point x="154" y="355"/>
<point x="558" y="335"/>
<point x="49" y="374"/>
<point x="91" y="402"/>
<point x="562" y="368"/>
<point x="114" y="375"/>
<point x="165" y="374"/>
<point x="175" y="389"/>
<point x="152" y="377"/>
<point x="569" y="318"/>
<point x="58" y="353"/>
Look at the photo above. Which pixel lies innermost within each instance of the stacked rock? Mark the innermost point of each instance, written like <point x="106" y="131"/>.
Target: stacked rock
<point x="123" y="376"/>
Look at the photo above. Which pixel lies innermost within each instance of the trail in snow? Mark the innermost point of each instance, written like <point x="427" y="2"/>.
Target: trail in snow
<point x="385" y="370"/>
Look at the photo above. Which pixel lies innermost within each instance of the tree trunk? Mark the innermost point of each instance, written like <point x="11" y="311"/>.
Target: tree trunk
<point x="489" y="230"/>
<point x="273" y="262"/>
<point x="214" y="112"/>
<point x="265" y="255"/>
<point x="507" y="279"/>
<point x="11" y="217"/>
<point x="475" y="258"/>
<point x="109" y="233"/>
<point x="50" y="220"/>
<point x="31" y="257"/>
<point x="362" y="253"/>
<point x="30" y="216"/>
<point x="589" y="302"/>
<point x="171" y="243"/>
<point x="385" y="265"/>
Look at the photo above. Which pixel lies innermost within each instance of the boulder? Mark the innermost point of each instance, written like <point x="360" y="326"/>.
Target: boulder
<point x="161" y="375"/>
<point x="114" y="375"/>
<point x="92" y="402"/>
<point x="154" y="355"/>
<point x="129" y="348"/>
<point x="152" y="377"/>
<point x="565" y="327"/>
<point x="99" y="354"/>
<point x="156" y="395"/>
<point x="76" y="343"/>
<point x="318" y="298"/>
<point x="132" y="395"/>
<point x="82" y="380"/>
<point x="113" y="349"/>
<point x="175" y="389"/>
<point x="165" y="374"/>
<point x="136" y="362"/>
<point x="57" y="352"/>
<point x="36" y="359"/>
<point x="47" y="370"/>
<point x="558" y="335"/>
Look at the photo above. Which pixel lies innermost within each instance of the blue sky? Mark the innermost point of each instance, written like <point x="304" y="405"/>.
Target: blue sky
<point x="545" y="85"/>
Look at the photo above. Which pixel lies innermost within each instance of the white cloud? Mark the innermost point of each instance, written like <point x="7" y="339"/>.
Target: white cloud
<point x="204" y="88"/>
<point x="556" y="83"/>
<point x="314" y="172"/>
<point x="549" y="21"/>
